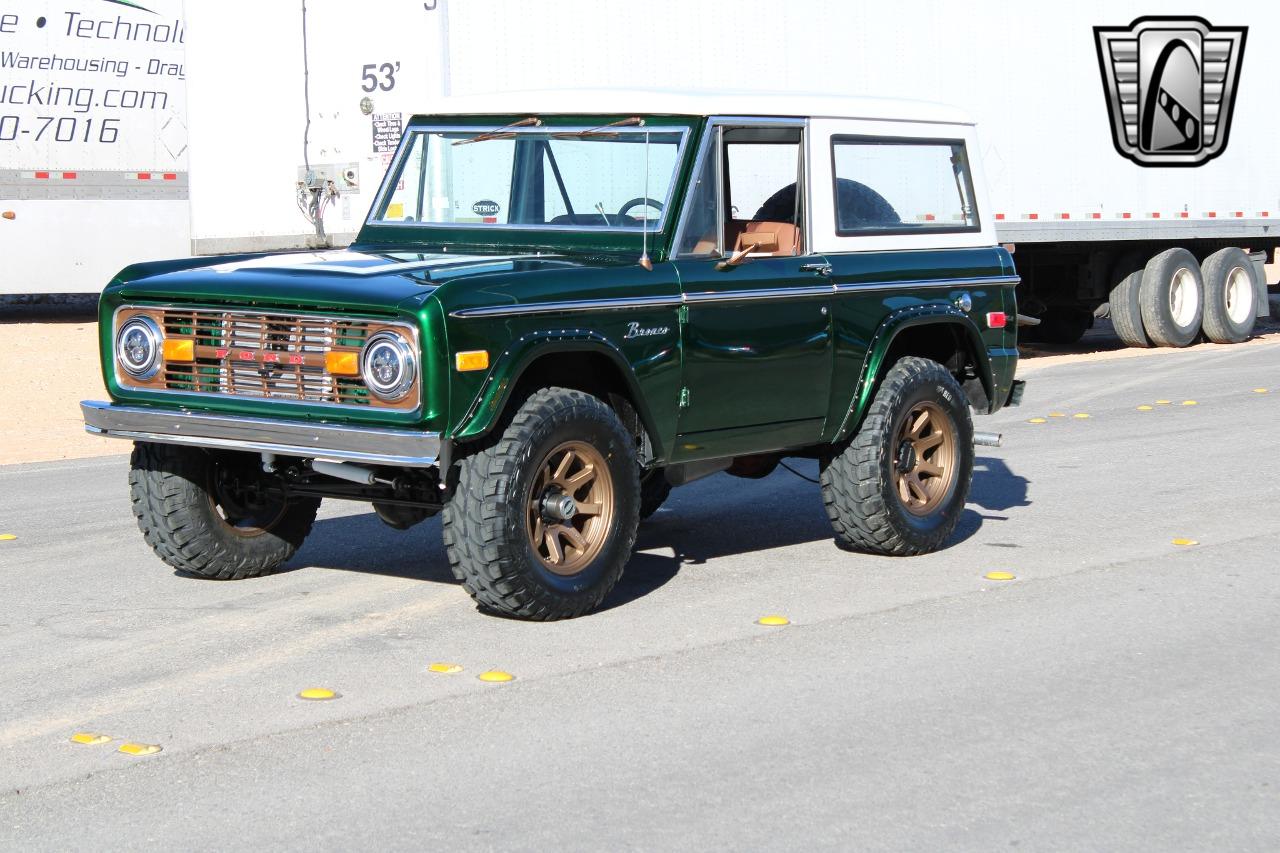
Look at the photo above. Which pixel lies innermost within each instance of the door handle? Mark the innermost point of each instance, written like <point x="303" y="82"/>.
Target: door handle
<point x="819" y="268"/>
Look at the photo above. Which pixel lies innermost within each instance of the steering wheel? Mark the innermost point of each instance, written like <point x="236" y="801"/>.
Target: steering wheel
<point x="637" y="201"/>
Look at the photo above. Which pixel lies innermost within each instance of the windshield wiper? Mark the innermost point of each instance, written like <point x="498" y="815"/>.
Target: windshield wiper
<point x="602" y="130"/>
<point x="502" y="132"/>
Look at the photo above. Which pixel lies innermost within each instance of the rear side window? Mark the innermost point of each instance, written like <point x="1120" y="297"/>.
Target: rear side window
<point x="902" y="186"/>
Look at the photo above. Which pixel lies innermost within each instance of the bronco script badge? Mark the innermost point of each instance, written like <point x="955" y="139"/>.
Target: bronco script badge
<point x="1170" y="84"/>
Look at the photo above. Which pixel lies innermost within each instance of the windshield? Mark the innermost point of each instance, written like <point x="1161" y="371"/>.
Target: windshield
<point x="569" y="178"/>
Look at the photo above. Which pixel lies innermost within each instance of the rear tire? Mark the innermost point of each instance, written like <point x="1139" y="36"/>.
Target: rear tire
<point x="518" y="546"/>
<point x="863" y="488"/>
<point x="212" y="514"/>
<point x="1172" y="298"/>
<point x="1126" y="311"/>
<point x="1230" y="296"/>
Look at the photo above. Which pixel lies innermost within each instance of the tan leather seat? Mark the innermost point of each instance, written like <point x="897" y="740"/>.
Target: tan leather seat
<point x="774" y="239"/>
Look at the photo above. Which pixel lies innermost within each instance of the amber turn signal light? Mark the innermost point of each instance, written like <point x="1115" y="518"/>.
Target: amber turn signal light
<point x="9" y="214"/>
<point x="342" y="363"/>
<point x="472" y="360"/>
<point x="179" y="350"/>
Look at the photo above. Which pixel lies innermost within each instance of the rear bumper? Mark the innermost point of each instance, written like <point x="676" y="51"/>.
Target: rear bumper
<point x="400" y="448"/>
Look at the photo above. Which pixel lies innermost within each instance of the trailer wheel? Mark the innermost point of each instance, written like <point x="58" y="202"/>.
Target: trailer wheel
<point x="1126" y="311"/>
<point x="1172" y="298"/>
<point x="1230" y="296"/>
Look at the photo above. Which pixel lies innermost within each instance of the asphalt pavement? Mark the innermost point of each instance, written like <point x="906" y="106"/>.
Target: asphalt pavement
<point x="1121" y="693"/>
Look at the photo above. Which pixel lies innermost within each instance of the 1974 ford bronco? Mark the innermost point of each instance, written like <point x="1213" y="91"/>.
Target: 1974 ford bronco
<point x="560" y="306"/>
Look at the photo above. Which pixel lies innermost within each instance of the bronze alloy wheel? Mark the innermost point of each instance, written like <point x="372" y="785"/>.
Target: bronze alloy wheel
<point x="242" y="508"/>
<point x="570" y="508"/>
<point x="925" y="458"/>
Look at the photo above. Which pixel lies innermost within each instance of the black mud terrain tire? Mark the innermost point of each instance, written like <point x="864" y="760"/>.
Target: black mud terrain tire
<point x="1230" y="296"/>
<point x="1172" y="298"/>
<point x="1126" y="311"/>
<point x="863" y="487"/>
<point x="501" y="529"/>
<point x="206" y="513"/>
<point x="654" y="491"/>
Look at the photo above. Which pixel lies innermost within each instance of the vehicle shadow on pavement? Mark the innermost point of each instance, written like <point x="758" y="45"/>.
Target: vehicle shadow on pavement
<point x="996" y="487"/>
<point x="362" y="543"/>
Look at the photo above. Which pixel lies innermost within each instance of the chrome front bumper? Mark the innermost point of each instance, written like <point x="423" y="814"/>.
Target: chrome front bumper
<point x="371" y="445"/>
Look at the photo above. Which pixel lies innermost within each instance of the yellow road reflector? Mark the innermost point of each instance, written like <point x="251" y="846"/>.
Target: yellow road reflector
<point x="1185" y="542"/>
<point x="1000" y="576"/>
<point x="1057" y="414"/>
<point x="446" y="668"/>
<point x="1259" y="390"/>
<point x="1190" y="403"/>
<point x="496" y="675"/>
<point x="1081" y="415"/>
<point x="317" y="694"/>
<point x="342" y="363"/>
<point x="1145" y="408"/>
<point x="140" y="748"/>
<point x="1163" y="402"/>
<point x="471" y="360"/>
<point x="773" y="620"/>
<point x="89" y="738"/>
<point x="179" y="350"/>
<point x="1036" y="421"/>
<point x="7" y="537"/>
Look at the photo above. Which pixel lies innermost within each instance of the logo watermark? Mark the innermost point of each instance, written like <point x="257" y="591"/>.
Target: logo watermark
<point x="1170" y="84"/>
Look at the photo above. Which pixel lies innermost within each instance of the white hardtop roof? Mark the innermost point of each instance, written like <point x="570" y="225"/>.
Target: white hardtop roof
<point x="697" y="103"/>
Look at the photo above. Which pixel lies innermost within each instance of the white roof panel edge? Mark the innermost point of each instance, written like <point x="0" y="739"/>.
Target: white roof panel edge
<point x="697" y="103"/>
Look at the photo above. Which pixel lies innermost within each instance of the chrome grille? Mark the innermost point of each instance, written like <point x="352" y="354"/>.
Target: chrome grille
<point x="266" y="355"/>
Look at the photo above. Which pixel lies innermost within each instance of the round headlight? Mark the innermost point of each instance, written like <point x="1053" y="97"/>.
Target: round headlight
<point x="138" y="347"/>
<point x="388" y="366"/>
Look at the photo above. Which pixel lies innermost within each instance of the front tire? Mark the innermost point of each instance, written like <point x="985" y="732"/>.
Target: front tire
<point x="542" y="522"/>
<point x="214" y="514"/>
<point x="899" y="486"/>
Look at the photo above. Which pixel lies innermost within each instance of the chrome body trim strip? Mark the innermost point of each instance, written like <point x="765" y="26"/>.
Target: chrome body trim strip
<point x="569" y="306"/>
<point x="340" y="442"/>
<point x="986" y="281"/>
<point x="725" y="296"/>
<point x="762" y="293"/>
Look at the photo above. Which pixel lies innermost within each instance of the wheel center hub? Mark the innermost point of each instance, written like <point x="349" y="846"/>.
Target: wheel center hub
<point x="559" y="506"/>
<point x="906" y="460"/>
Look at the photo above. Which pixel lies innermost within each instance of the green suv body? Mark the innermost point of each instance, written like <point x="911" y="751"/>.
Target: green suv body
<point x="550" y="318"/>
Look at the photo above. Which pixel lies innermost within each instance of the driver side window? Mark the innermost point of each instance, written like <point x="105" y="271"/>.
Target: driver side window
<point x="745" y="195"/>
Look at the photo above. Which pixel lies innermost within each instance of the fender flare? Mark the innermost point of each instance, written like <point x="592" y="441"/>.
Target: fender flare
<point x="510" y="366"/>
<point x="887" y="332"/>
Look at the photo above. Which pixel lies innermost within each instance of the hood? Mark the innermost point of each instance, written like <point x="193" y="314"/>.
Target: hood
<point x="341" y="279"/>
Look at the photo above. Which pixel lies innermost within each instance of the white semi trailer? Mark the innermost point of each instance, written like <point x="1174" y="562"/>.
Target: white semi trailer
<point x="285" y="131"/>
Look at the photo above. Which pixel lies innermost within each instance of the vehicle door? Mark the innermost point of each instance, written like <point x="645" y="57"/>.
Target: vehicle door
<point x="756" y="330"/>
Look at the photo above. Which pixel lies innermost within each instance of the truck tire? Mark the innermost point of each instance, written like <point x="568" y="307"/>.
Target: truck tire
<point x="542" y="521"/>
<point x="210" y="514"/>
<point x="1230" y="296"/>
<point x="1172" y="298"/>
<point x="1126" y="311"/>
<point x="875" y="487"/>
<point x="654" y="490"/>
